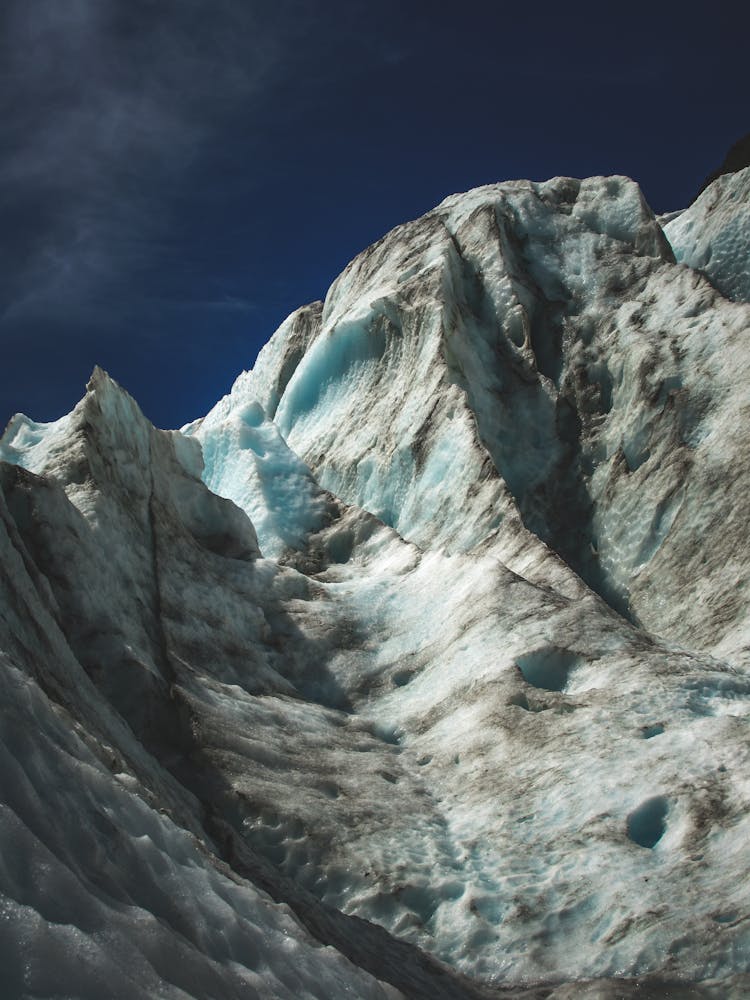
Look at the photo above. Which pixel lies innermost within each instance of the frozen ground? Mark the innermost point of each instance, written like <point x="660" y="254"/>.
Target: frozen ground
<point x="418" y="665"/>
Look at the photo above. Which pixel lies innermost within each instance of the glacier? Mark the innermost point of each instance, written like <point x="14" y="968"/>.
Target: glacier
<point x="419" y="665"/>
<point x="712" y="235"/>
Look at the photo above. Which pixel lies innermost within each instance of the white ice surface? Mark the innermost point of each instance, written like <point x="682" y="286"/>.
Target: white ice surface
<point x="247" y="461"/>
<point x="528" y="356"/>
<point x="108" y="884"/>
<point x="713" y="234"/>
<point x="104" y="895"/>
<point x="402" y="699"/>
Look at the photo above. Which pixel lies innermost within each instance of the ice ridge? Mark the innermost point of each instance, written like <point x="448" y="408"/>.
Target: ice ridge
<point x="418" y="666"/>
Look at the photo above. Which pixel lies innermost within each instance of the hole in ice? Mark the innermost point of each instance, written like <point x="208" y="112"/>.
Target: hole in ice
<point x="329" y="789"/>
<point x="636" y="449"/>
<point x="516" y="327"/>
<point x="387" y="734"/>
<point x="521" y="701"/>
<point x="650" y="731"/>
<point x="387" y="776"/>
<point x="424" y="759"/>
<point x="647" y="823"/>
<point x="340" y="546"/>
<point x="600" y="379"/>
<point x="725" y="918"/>
<point x="547" y="668"/>
<point x="669" y="385"/>
<point x="402" y="677"/>
<point x="451" y="889"/>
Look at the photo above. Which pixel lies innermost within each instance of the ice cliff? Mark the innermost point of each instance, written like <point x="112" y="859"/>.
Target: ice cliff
<point x="418" y="666"/>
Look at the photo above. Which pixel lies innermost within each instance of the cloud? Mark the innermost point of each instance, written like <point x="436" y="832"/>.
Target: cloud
<point x="105" y="105"/>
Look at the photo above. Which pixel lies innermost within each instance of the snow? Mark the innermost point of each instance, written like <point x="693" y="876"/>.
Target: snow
<point x="437" y="620"/>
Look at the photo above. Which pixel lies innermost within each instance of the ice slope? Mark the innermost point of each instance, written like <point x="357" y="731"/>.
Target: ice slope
<point x="526" y="364"/>
<point x="133" y="604"/>
<point x="405" y="698"/>
<point x="537" y="725"/>
<point x="474" y="783"/>
<point x="478" y="647"/>
<point x="103" y="894"/>
<point x="713" y="234"/>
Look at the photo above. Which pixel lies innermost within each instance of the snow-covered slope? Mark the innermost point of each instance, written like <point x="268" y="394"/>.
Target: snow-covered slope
<point x="427" y="644"/>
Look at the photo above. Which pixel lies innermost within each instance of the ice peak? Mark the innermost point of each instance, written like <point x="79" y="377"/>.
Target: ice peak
<point x="98" y="377"/>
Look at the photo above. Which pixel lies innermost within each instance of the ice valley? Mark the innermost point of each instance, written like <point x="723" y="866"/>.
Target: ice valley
<point x="419" y="665"/>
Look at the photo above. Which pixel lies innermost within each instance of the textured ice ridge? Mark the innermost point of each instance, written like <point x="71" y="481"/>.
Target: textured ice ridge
<point x="713" y="235"/>
<point x="428" y="643"/>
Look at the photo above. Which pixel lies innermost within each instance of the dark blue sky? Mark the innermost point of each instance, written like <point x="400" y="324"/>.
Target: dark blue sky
<point x="177" y="175"/>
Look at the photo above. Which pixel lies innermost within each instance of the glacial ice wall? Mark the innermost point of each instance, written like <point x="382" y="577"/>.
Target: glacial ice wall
<point x="713" y="234"/>
<point x="526" y="363"/>
<point x="528" y="388"/>
<point x="417" y="667"/>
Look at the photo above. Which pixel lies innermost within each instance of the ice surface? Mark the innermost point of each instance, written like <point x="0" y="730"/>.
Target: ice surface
<point x="713" y="235"/>
<point x="247" y="461"/>
<point x="353" y="665"/>
<point x="103" y="895"/>
<point x="561" y="369"/>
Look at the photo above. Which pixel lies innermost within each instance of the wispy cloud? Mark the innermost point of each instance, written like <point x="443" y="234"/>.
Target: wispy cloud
<point x="105" y="104"/>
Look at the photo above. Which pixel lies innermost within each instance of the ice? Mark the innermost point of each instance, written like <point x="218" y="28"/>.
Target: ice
<point x="713" y="234"/>
<point x="247" y="461"/>
<point x="426" y="645"/>
<point x="647" y="823"/>
<point x="103" y="895"/>
<point x="560" y="366"/>
<point x="406" y="451"/>
<point x="205" y="625"/>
